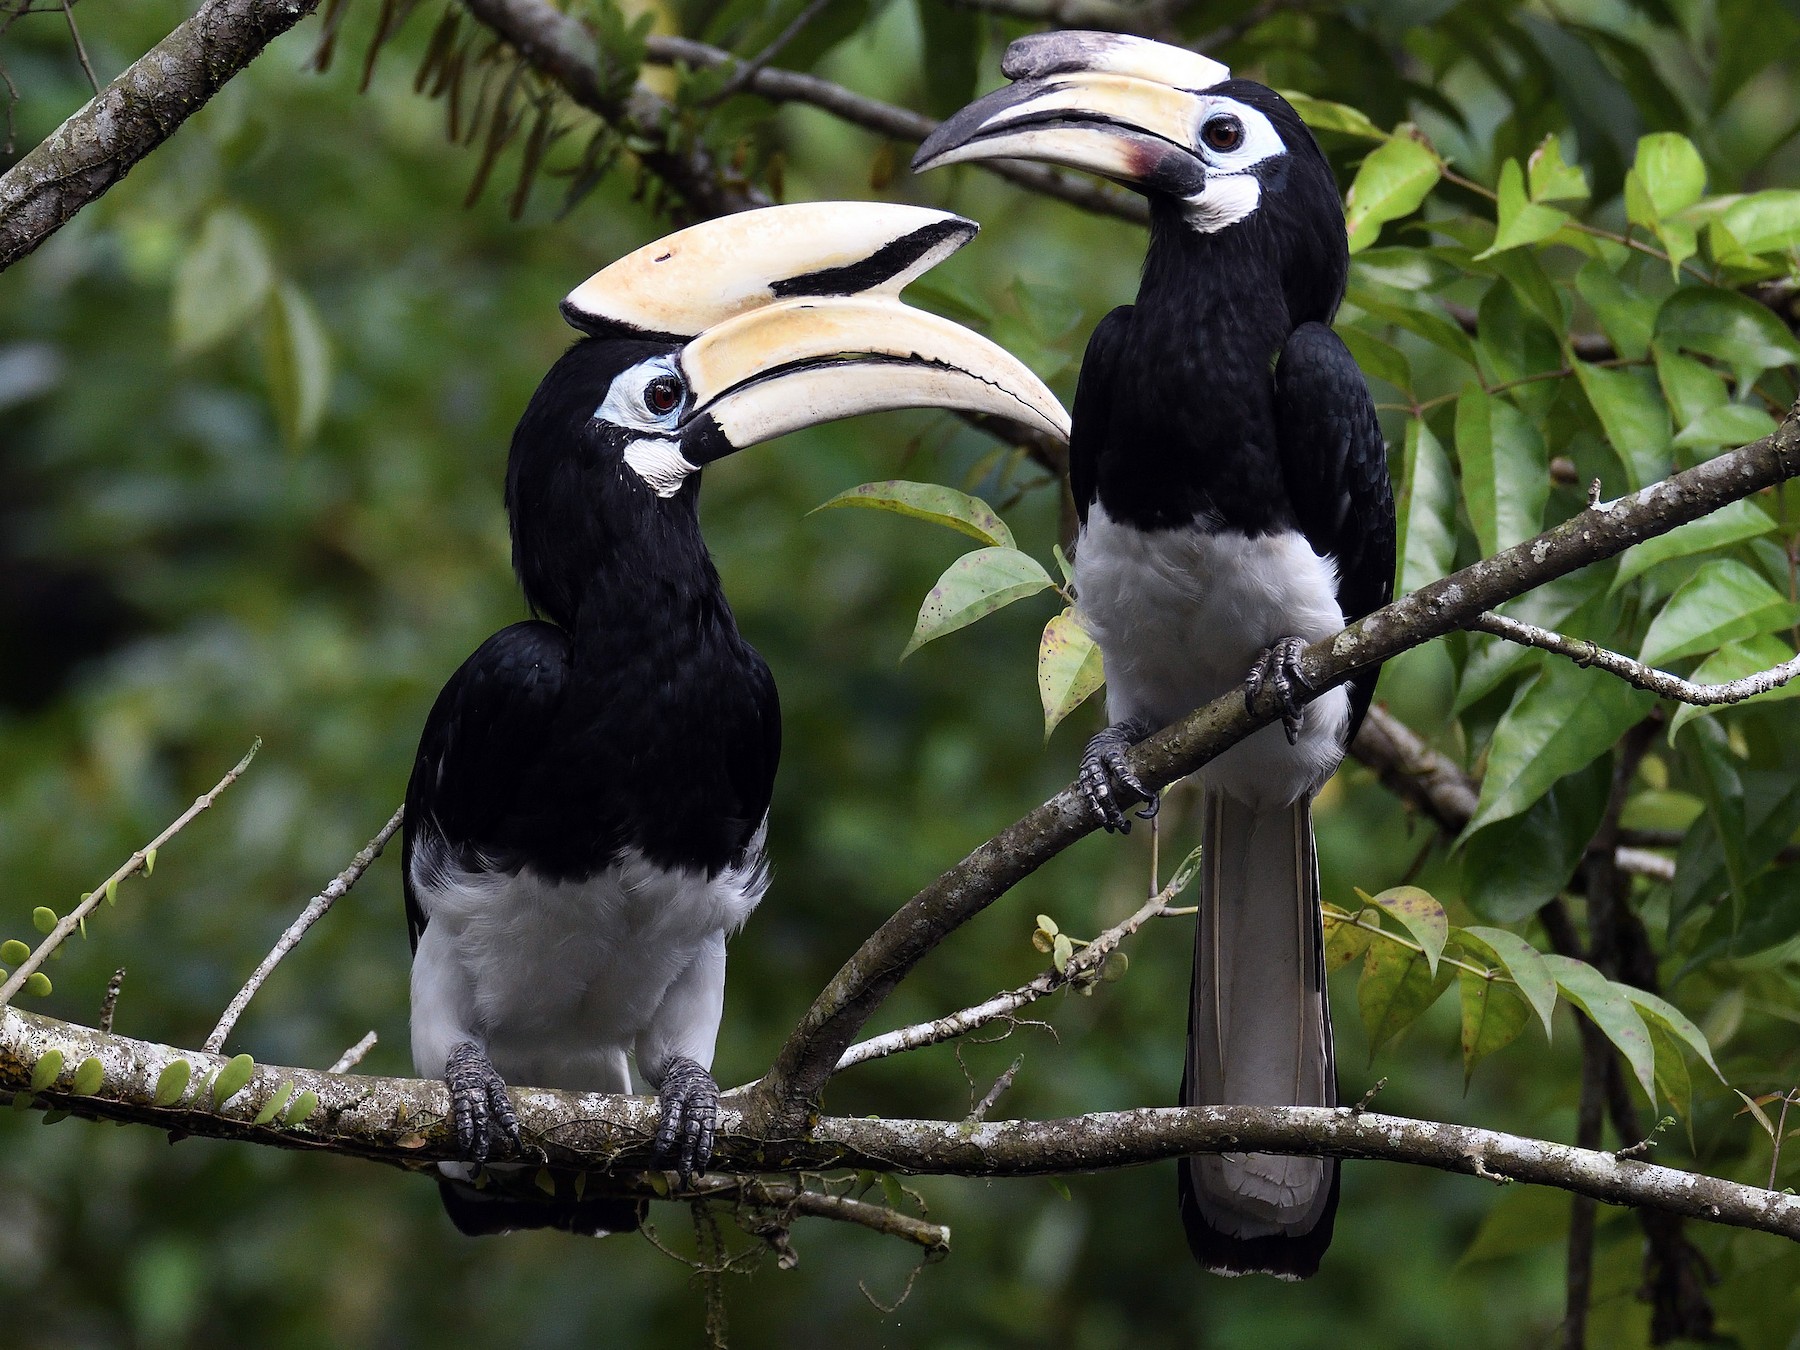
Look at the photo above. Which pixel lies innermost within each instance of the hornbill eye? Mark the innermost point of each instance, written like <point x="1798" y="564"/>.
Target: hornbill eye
<point x="1223" y="133"/>
<point x="663" y="395"/>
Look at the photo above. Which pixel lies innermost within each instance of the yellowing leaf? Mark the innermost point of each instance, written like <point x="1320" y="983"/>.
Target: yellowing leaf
<point x="1396" y="987"/>
<point x="1421" y="915"/>
<point x="1493" y="1015"/>
<point x="1526" y="966"/>
<point x="1345" y="940"/>
<point x="927" y="501"/>
<point x="1069" y="668"/>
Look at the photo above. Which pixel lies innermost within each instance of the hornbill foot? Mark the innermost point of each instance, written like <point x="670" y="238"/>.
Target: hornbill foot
<point x="1278" y="666"/>
<point x="1105" y="770"/>
<point x="689" y="1101"/>
<point x="480" y="1110"/>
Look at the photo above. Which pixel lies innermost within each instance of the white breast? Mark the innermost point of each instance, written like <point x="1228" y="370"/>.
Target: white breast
<point x="558" y="980"/>
<point x="1181" y="614"/>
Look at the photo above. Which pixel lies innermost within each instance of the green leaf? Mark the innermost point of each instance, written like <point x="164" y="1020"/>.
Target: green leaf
<point x="1380" y="359"/>
<point x="296" y="363"/>
<point x="1671" y="172"/>
<point x="1069" y="668"/>
<point x="232" y="1078"/>
<point x="1609" y="1007"/>
<point x="1345" y="940"/>
<point x="1522" y="221"/>
<point x="1562" y="721"/>
<point x="12" y="951"/>
<point x="1722" y="602"/>
<point x="1525" y="964"/>
<point x="1691" y="387"/>
<point x="43" y="918"/>
<point x="1765" y="222"/>
<point x="1728" y="327"/>
<point x="1513" y="867"/>
<point x="89" y="1075"/>
<point x="1425" y="321"/>
<point x="1734" y="661"/>
<point x="1396" y="987"/>
<point x="304" y="1105"/>
<point x="1672" y="1079"/>
<point x="1323" y="115"/>
<point x="46" y="1070"/>
<point x="1061" y="949"/>
<point x="172" y="1082"/>
<point x="1626" y="314"/>
<point x="951" y="56"/>
<point x="149" y="861"/>
<point x="1631" y="412"/>
<point x="1427" y="510"/>
<point x="1393" y="180"/>
<point x="222" y="282"/>
<point x="1554" y="179"/>
<point x="1505" y="470"/>
<point x="38" y="984"/>
<point x="273" y="1106"/>
<point x="973" y="587"/>
<point x="1679" y="1024"/>
<point x="928" y="501"/>
<point x="1493" y="1015"/>
<point x="892" y="1191"/>
<point x="1730" y="524"/>
<point x="1731" y="424"/>
<point x="1421" y="915"/>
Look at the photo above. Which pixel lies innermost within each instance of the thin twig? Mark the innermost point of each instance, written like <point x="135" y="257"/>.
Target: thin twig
<point x="316" y="909"/>
<point x="109" y="888"/>
<point x="998" y="1090"/>
<point x="87" y="66"/>
<point x="354" y="1055"/>
<point x="109" y="1004"/>
<point x="747" y="72"/>
<point x="1585" y="653"/>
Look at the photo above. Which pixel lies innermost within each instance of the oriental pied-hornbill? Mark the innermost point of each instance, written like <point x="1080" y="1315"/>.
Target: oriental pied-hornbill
<point x="586" y="815"/>
<point x="1234" y="501"/>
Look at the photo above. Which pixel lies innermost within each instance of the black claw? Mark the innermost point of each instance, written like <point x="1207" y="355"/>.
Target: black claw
<point x="689" y="1101"/>
<point x="480" y="1110"/>
<point x="1105" y="769"/>
<point x="1278" y="666"/>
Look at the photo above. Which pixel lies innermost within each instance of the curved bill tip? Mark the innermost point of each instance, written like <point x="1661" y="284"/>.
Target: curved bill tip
<point x="1038" y="55"/>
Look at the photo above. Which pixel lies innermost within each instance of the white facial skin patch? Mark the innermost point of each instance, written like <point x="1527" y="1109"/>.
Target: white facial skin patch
<point x="1232" y="189"/>
<point x="660" y="464"/>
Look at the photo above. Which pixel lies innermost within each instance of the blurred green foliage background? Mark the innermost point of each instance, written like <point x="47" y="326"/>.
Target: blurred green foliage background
<point x="186" y="564"/>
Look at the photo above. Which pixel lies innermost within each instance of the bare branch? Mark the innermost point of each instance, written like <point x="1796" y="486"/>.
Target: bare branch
<point x="133" y="115"/>
<point x="315" y="910"/>
<point x="354" y="1055"/>
<point x="902" y="124"/>
<point x="1585" y="653"/>
<point x="1084" y="965"/>
<point x="403" y="1122"/>
<point x="806" y="1062"/>
<point x="142" y="860"/>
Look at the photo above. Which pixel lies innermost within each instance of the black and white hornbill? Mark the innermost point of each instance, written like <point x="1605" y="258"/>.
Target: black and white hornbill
<point x="1232" y="488"/>
<point x="585" y="818"/>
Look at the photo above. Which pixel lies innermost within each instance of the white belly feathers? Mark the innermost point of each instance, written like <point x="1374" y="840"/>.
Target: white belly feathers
<point x="1181" y="614"/>
<point x="559" y="980"/>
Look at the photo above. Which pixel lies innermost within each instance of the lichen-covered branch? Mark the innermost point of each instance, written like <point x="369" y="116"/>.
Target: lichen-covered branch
<point x="785" y="1095"/>
<point x="1585" y="653"/>
<point x="401" y="1121"/>
<point x="133" y="115"/>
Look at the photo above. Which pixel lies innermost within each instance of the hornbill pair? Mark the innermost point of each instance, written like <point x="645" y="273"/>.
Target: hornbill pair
<point x="585" y="817"/>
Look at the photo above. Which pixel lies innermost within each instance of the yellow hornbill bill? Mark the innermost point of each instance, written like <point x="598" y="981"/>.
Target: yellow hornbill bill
<point x="586" y="815"/>
<point x="1231" y="483"/>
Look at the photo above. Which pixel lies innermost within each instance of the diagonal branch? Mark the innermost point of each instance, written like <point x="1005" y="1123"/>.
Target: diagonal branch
<point x="783" y="1098"/>
<point x="886" y="119"/>
<point x="133" y="115"/>
<point x="402" y="1122"/>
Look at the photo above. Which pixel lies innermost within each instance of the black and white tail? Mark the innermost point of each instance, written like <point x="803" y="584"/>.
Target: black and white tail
<point x="1259" y="1034"/>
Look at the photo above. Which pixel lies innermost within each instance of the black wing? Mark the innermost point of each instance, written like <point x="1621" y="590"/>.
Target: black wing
<point x="1334" y="464"/>
<point x="1093" y="407"/>
<point x="481" y="744"/>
